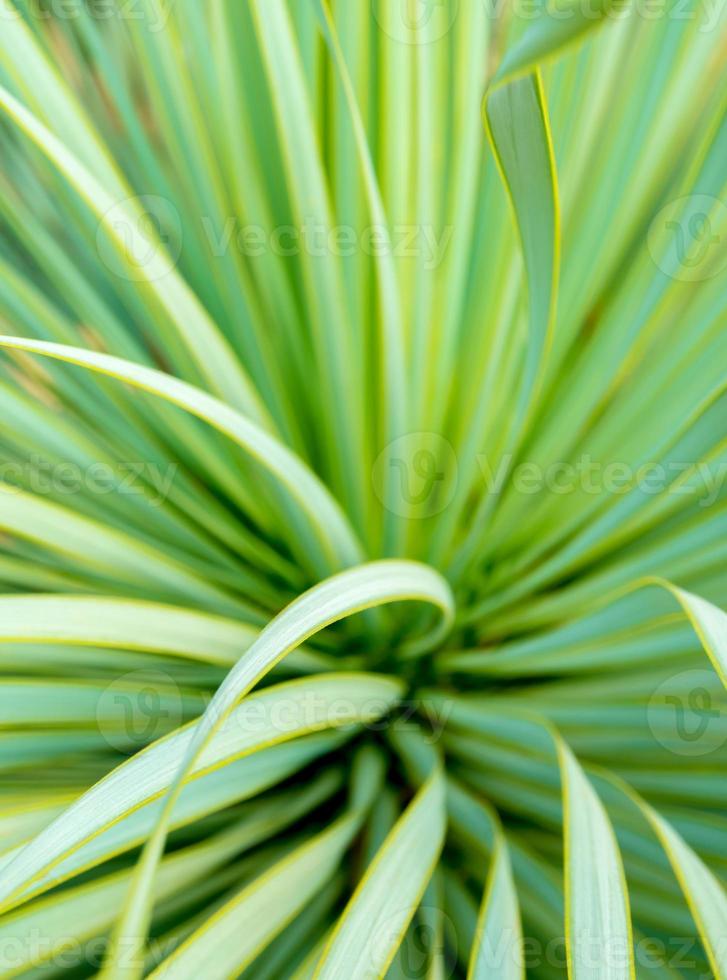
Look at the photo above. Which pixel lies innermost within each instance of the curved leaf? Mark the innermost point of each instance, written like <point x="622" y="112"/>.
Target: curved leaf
<point x="332" y="533"/>
<point x="275" y="715"/>
<point x="339" y="596"/>
<point x="212" y="353"/>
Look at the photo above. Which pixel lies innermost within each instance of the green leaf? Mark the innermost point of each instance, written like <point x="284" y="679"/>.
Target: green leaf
<point x="206" y="794"/>
<point x="126" y="623"/>
<point x="497" y="951"/>
<point x="515" y="115"/>
<point x="234" y="936"/>
<point x="369" y="932"/>
<point x="80" y="913"/>
<point x="704" y="893"/>
<point x="597" y="911"/>
<point x="517" y="123"/>
<point x="121" y="216"/>
<point x="231" y="939"/>
<point x="334" y="599"/>
<point x="275" y="715"/>
<point x="710" y="625"/>
<point x="599" y="941"/>
<point x="331" y="535"/>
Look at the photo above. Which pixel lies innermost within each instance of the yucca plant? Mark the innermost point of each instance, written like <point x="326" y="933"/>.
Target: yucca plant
<point x="364" y="489"/>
